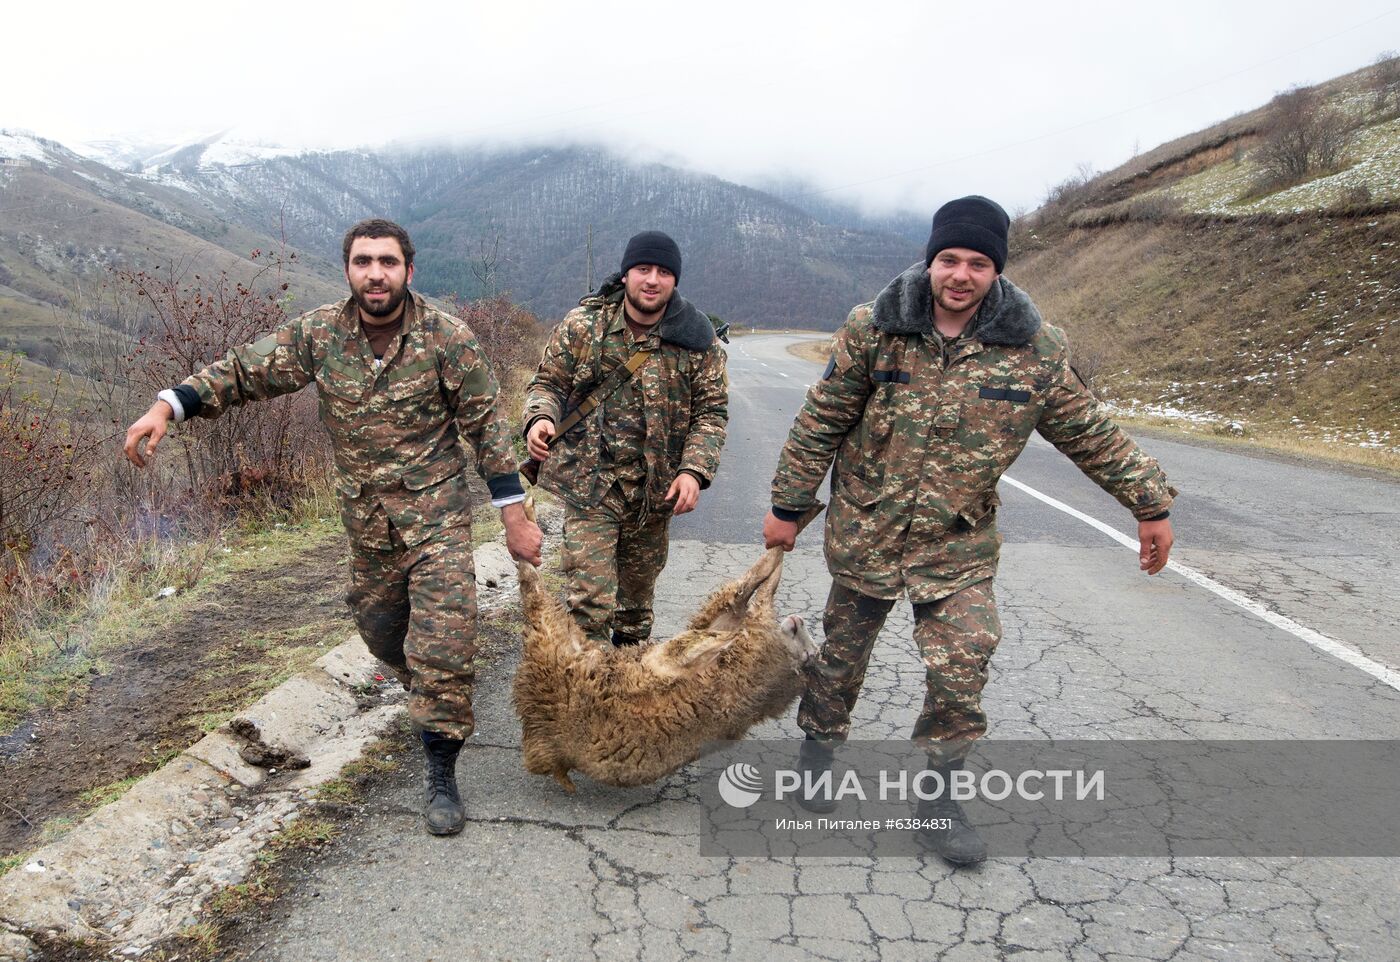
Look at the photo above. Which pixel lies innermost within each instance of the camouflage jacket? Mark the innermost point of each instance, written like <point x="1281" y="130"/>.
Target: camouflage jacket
<point x="685" y="398"/>
<point x="919" y="445"/>
<point x="395" y="429"/>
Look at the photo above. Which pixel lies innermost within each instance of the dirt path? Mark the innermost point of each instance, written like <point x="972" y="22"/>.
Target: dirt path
<point x="164" y="691"/>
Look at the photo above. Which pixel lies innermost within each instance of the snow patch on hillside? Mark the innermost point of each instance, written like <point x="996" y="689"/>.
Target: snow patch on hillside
<point x="22" y="145"/>
<point x="232" y="154"/>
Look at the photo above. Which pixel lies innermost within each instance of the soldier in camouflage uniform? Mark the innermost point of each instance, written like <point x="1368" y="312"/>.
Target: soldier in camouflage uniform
<point x="401" y="387"/>
<point x="645" y="453"/>
<point x="931" y="393"/>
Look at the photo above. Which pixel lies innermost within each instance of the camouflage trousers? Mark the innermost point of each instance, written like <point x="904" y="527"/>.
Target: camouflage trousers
<point x="415" y="607"/>
<point x="612" y="556"/>
<point x="956" y="636"/>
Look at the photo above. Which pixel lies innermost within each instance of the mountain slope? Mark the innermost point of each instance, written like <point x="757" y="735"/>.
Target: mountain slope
<point x="749" y="256"/>
<point x="1278" y="309"/>
<point x="66" y="222"/>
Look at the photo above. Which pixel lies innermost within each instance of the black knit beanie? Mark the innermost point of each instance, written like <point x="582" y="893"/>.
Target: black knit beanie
<point x="652" y="247"/>
<point x="973" y="222"/>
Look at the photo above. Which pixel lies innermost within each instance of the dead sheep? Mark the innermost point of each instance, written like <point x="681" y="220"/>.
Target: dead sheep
<point x="628" y="716"/>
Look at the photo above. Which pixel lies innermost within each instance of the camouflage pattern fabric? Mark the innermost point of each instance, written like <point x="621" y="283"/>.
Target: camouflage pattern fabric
<point x="917" y="430"/>
<point x="919" y="440"/>
<point x="614" y="467"/>
<point x="612" y="556"/>
<point x="396" y="429"/>
<point x="415" y="606"/>
<point x="623" y="434"/>
<point x="669" y="417"/>
<point x="956" y="636"/>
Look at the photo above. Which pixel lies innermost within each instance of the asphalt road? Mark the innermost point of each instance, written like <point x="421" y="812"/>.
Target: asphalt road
<point x="1092" y="649"/>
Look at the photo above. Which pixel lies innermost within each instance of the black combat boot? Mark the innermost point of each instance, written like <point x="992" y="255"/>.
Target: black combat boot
<point x="958" y="843"/>
<point x="442" y="806"/>
<point x="622" y="641"/>
<point x="813" y="761"/>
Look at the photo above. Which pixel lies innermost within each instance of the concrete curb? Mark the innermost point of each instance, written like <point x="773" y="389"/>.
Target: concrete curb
<point x="139" y="869"/>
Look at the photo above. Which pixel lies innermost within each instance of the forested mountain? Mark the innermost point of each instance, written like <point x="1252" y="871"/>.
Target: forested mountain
<point x="67" y="221"/>
<point x="521" y="220"/>
<point x="829" y="206"/>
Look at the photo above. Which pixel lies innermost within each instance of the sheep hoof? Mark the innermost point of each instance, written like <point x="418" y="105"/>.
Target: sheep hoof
<point x="561" y="775"/>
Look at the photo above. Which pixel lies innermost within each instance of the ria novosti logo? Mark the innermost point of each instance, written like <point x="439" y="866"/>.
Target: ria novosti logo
<point x="740" y="785"/>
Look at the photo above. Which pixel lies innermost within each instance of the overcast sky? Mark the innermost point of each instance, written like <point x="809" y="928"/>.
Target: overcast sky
<point x="884" y="103"/>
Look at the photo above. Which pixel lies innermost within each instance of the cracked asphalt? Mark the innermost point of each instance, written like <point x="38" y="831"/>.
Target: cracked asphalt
<point x="1092" y="649"/>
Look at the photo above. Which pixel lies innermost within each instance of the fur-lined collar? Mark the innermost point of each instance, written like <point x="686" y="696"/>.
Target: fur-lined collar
<point x="1006" y="316"/>
<point x="683" y="324"/>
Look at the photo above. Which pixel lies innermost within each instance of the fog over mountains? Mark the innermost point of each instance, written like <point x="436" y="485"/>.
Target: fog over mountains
<point x="521" y="221"/>
<point x="501" y="220"/>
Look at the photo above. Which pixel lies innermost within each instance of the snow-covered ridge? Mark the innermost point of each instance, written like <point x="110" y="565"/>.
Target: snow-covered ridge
<point x="230" y="154"/>
<point x="220" y="150"/>
<point x="120" y="153"/>
<point x="24" y="145"/>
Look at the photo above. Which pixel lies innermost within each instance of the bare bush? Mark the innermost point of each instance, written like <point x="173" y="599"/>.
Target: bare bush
<point x="73" y="515"/>
<point x="1304" y="136"/>
<point x="46" y="461"/>
<point x="511" y="336"/>
<point x="1385" y="82"/>
<point x="160" y="326"/>
<point x="1021" y="234"/>
<point x="486" y="265"/>
<point x="1074" y="192"/>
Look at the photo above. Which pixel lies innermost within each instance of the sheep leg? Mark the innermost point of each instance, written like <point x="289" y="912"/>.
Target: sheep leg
<point x="761" y="583"/>
<point x="734" y="598"/>
<point x="561" y="775"/>
<point x="725" y="608"/>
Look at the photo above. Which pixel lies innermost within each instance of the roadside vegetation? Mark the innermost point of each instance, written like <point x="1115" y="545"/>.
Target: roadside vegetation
<point x="1242" y="282"/>
<point x="817" y="351"/>
<point x="227" y="915"/>
<point x="139" y="610"/>
<point x="83" y="535"/>
<point x="228" y="925"/>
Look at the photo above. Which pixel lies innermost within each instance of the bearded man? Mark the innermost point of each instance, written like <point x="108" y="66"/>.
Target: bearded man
<point x="402" y="385"/>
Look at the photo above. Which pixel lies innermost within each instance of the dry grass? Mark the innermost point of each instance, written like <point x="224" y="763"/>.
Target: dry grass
<point x="237" y="905"/>
<point x="234" y="903"/>
<point x="1270" y="442"/>
<point x="47" y="658"/>
<point x="815" y="351"/>
<point x="1288" y="327"/>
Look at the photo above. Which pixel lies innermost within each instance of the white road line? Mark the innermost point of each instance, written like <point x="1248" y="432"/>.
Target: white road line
<point x="1318" y="640"/>
<point x="784" y="374"/>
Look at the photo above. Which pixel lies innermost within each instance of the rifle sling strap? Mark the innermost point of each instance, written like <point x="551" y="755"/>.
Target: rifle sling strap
<point x="605" y="390"/>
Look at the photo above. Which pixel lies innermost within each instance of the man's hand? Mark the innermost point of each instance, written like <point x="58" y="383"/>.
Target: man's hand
<point x="686" y="492"/>
<point x="1154" y="544"/>
<point x="523" y="537"/>
<point x="538" y="438"/>
<point x="153" y="425"/>
<point x="778" y="533"/>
